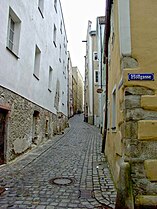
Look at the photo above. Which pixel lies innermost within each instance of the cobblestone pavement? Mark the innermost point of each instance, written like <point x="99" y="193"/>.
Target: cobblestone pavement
<point x="76" y="155"/>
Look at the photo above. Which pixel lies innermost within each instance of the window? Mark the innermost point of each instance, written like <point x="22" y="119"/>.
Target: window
<point x="55" y="5"/>
<point x="35" y="127"/>
<point x="46" y="127"/>
<point x="96" y="77"/>
<point x="112" y="25"/>
<point x="108" y="115"/>
<point x="41" y="7"/>
<point x="54" y="35"/>
<point x="95" y="56"/>
<point x="61" y="27"/>
<point x="50" y="79"/>
<point x="37" y="62"/>
<point x="114" y="109"/>
<point x="64" y="41"/>
<point x="13" y="35"/>
<point x="60" y="51"/>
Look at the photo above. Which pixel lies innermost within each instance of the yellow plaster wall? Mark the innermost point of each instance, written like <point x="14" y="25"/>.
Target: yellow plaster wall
<point x="143" y="20"/>
<point x="144" y="33"/>
<point x="113" y="148"/>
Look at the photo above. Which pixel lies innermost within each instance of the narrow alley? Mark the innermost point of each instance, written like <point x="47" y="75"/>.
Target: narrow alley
<point x="68" y="171"/>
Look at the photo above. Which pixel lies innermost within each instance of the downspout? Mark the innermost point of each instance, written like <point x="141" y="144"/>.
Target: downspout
<point x="93" y="77"/>
<point x="101" y="57"/>
<point x="107" y="35"/>
<point x="101" y="118"/>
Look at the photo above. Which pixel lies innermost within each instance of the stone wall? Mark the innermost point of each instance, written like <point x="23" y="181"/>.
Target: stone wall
<point x="139" y="138"/>
<point x="27" y="124"/>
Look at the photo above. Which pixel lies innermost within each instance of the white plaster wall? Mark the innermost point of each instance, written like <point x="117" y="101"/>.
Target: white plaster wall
<point x="17" y="74"/>
<point x="90" y="76"/>
<point x="100" y="43"/>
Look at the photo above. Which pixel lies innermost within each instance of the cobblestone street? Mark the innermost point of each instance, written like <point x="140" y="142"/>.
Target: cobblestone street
<point x="74" y="158"/>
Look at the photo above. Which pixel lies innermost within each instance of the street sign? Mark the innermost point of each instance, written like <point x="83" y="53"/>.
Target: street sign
<point x="141" y="77"/>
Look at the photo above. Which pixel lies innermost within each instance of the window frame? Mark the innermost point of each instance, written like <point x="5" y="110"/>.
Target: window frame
<point x="60" y="52"/>
<point x="50" y="79"/>
<point x="13" y="39"/>
<point x="95" y="56"/>
<point x="37" y="61"/>
<point x="61" y="27"/>
<point x="55" y="5"/>
<point x="96" y="76"/>
<point x="41" y="7"/>
<point x="54" y="35"/>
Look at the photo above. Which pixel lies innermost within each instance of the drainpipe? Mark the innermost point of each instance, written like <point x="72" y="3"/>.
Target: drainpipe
<point x="100" y="57"/>
<point x="106" y="109"/>
<point x="93" y="71"/>
<point x="101" y="118"/>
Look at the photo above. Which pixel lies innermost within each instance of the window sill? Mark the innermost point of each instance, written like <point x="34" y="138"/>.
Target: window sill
<point x="36" y="76"/>
<point x="13" y="53"/>
<point x="40" y="12"/>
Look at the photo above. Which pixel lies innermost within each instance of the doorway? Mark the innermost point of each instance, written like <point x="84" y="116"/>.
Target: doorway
<point x="3" y="114"/>
<point x="35" y="126"/>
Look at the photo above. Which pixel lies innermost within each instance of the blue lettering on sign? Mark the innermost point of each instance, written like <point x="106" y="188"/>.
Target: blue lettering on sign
<point x="141" y="77"/>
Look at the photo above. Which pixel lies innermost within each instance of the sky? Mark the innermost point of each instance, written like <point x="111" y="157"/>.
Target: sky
<point x="76" y="15"/>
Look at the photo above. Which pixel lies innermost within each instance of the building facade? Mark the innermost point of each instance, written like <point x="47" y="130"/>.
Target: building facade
<point x="91" y="77"/>
<point x="78" y="91"/>
<point x="33" y="69"/>
<point x="101" y="87"/>
<point x="131" y="138"/>
<point x="70" y="93"/>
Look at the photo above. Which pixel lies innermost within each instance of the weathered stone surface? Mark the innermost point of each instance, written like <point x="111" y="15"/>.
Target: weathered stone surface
<point x="28" y="124"/>
<point x="21" y="145"/>
<point x="140" y="114"/>
<point x="141" y="184"/>
<point x="140" y="124"/>
<point x="130" y="148"/>
<point x="151" y="169"/>
<point x="124" y="190"/>
<point x="131" y="130"/>
<point x="128" y="62"/>
<point x="138" y="178"/>
<point x="138" y="91"/>
<point x="132" y="101"/>
<point x="140" y="149"/>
